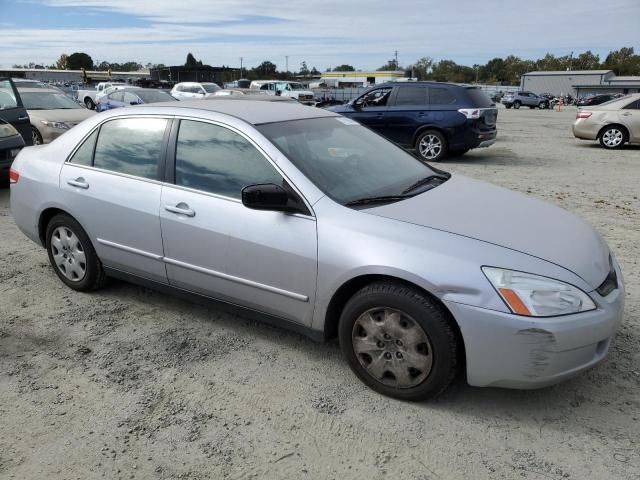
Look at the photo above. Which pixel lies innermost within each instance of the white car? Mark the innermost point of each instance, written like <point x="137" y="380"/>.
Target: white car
<point x="89" y="97"/>
<point x="279" y="88"/>
<point x="191" y="90"/>
<point x="100" y="95"/>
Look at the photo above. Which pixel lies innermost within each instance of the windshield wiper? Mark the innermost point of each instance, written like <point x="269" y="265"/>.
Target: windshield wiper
<point x="431" y="181"/>
<point x="380" y="199"/>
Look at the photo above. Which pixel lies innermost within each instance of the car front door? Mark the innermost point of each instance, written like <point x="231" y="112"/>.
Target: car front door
<point x="216" y="246"/>
<point x="12" y="110"/>
<point x="408" y="109"/>
<point x="112" y="185"/>
<point x="371" y="109"/>
<point x="630" y="117"/>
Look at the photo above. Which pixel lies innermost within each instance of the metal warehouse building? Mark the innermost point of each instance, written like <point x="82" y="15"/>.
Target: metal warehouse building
<point x="562" y="82"/>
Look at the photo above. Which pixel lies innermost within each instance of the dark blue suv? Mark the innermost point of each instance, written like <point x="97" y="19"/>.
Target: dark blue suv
<point x="436" y="119"/>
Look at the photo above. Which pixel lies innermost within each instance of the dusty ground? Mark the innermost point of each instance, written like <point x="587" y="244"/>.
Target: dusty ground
<point x="128" y="383"/>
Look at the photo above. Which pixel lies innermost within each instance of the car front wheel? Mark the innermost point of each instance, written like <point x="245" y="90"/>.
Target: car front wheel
<point x="612" y="137"/>
<point x="72" y="255"/>
<point x="36" y="137"/>
<point x="89" y="104"/>
<point x="398" y="341"/>
<point x="431" y="146"/>
<point x="516" y="105"/>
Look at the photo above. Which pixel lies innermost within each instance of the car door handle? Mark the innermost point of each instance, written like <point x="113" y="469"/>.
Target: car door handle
<point x="626" y="114"/>
<point x="181" y="209"/>
<point x="78" y="182"/>
<point x="379" y="114"/>
<point x="20" y="119"/>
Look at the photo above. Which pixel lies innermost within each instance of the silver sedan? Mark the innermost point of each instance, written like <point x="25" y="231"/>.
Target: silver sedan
<point x="306" y="219"/>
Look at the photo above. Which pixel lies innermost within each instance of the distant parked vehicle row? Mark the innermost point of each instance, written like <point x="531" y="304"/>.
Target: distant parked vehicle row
<point x="294" y="90"/>
<point x="595" y="99"/>
<point x="436" y="119"/>
<point x="612" y="123"/>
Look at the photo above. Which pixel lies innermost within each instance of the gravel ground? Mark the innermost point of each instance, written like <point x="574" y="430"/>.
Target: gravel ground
<point x="129" y="383"/>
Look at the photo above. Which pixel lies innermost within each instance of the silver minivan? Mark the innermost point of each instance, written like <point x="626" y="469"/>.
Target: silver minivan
<point x="307" y="219"/>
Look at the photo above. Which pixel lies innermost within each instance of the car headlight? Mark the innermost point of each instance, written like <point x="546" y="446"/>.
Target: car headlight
<point x="57" y="125"/>
<point x="7" y="130"/>
<point x="537" y="296"/>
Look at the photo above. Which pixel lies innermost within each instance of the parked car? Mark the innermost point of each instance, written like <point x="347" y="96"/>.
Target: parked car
<point x="321" y="225"/>
<point x="436" y="119"/>
<point x="191" y="90"/>
<point x="11" y="143"/>
<point x="280" y="88"/>
<point x="88" y="96"/>
<point x="12" y="110"/>
<point x="613" y="123"/>
<point x="51" y="113"/>
<point x="133" y="96"/>
<point x="238" y="91"/>
<point x="527" y="99"/>
<point x="107" y="90"/>
<point x="595" y="100"/>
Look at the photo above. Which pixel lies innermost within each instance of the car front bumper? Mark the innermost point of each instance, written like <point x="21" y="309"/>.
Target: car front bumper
<point x="512" y="351"/>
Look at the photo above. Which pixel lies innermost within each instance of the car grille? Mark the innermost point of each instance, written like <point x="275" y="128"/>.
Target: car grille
<point x="305" y="97"/>
<point x="610" y="283"/>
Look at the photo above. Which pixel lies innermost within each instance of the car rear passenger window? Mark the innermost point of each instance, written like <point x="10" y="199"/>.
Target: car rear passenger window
<point x="217" y="160"/>
<point x="131" y="145"/>
<point x="84" y="154"/>
<point x="411" y="96"/>
<point x="441" y="96"/>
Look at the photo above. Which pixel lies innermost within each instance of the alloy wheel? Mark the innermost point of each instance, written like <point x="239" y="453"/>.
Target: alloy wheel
<point x="430" y="147"/>
<point x="35" y="137"/>
<point x="392" y="347"/>
<point x="68" y="254"/>
<point x="612" y="137"/>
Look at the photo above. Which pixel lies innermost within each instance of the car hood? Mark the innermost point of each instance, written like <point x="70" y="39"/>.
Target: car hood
<point x="73" y="116"/>
<point x="482" y="211"/>
<point x="340" y="108"/>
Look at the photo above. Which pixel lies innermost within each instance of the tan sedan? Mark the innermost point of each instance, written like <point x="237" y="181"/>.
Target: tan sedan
<point x="52" y="113"/>
<point x="613" y="123"/>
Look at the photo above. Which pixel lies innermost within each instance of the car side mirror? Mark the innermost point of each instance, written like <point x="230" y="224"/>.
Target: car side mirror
<point x="269" y="196"/>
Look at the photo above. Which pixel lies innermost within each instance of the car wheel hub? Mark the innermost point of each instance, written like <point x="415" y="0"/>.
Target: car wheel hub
<point x="68" y="254"/>
<point x="430" y="147"/>
<point x="392" y="347"/>
<point x="612" y="137"/>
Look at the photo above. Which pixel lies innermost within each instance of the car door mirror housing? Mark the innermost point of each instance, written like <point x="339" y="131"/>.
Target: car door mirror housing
<point x="269" y="196"/>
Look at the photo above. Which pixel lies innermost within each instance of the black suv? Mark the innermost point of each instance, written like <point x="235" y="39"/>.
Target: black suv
<point x="436" y="119"/>
<point x="15" y="127"/>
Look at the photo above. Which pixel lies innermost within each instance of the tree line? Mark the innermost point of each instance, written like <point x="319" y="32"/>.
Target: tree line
<point x="505" y="71"/>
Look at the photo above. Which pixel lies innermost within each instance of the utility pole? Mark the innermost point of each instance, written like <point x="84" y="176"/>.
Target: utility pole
<point x="396" y="55"/>
<point x="571" y="61"/>
<point x="240" y="67"/>
<point x="286" y="66"/>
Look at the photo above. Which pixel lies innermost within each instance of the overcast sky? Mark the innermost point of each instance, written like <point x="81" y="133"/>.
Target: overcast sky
<point x="325" y="33"/>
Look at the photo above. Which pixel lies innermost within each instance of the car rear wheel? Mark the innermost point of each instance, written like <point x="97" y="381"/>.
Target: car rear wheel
<point x="542" y="105"/>
<point x="89" y="104"/>
<point x="431" y="146"/>
<point x="36" y="137"/>
<point x="612" y="137"/>
<point x="72" y="255"/>
<point x="516" y="104"/>
<point x="508" y="106"/>
<point x="398" y="341"/>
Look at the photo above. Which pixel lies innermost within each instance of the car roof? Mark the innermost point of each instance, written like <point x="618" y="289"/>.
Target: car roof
<point x="37" y="90"/>
<point x="247" y="108"/>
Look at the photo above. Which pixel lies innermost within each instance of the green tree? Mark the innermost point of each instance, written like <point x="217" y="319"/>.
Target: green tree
<point x="422" y="68"/>
<point x="344" y="68"/>
<point x="389" y="66"/>
<point x="191" y="61"/>
<point x="62" y="62"/>
<point x="266" y="70"/>
<point x="79" y="60"/>
<point x="586" y="61"/>
<point x="623" y="62"/>
<point x="304" y="70"/>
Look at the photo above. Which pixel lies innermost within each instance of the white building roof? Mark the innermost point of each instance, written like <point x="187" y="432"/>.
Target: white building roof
<point x="569" y="72"/>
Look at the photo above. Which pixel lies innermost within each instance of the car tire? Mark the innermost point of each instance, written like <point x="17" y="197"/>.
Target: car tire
<point x="36" y="136"/>
<point x="612" y="137"/>
<point x="72" y="255"/>
<point x="516" y="105"/>
<point x="507" y="106"/>
<point x="431" y="146"/>
<point x="542" y="105"/>
<point x="89" y="104"/>
<point x="399" y="341"/>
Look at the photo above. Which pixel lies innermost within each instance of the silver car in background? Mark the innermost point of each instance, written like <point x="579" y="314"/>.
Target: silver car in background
<point x="306" y="219"/>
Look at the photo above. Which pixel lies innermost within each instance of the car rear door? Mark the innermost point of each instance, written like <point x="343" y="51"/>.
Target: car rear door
<point x="408" y="110"/>
<point x="112" y="185"/>
<point x="12" y="110"/>
<point x="630" y="117"/>
<point x="216" y="246"/>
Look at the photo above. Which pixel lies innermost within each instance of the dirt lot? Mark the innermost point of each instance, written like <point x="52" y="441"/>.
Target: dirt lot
<point x="128" y="383"/>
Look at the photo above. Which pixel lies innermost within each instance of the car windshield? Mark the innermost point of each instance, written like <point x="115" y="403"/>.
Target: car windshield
<point x="296" y="86"/>
<point x="154" y="96"/>
<point x="210" y="87"/>
<point x="47" y="101"/>
<point x="345" y="160"/>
